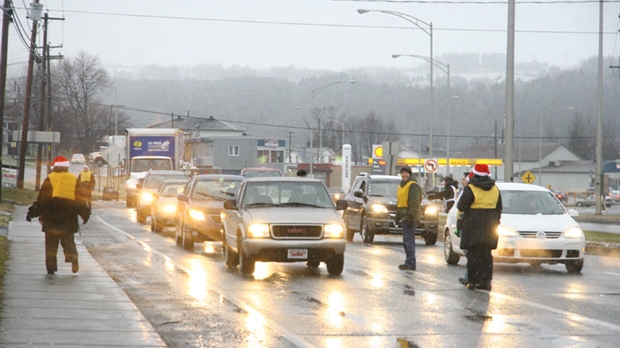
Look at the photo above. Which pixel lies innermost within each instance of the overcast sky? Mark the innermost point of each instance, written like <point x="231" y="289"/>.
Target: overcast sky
<point x="316" y="33"/>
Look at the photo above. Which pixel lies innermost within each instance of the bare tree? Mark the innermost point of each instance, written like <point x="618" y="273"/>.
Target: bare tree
<point x="83" y="120"/>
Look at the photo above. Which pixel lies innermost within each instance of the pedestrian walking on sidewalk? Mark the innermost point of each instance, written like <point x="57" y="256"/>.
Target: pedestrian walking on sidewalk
<point x="57" y="208"/>
<point x="408" y="212"/>
<point x="86" y="184"/>
<point x="481" y="204"/>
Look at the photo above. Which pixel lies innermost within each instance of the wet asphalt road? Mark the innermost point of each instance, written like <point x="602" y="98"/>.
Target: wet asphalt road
<point x="194" y="301"/>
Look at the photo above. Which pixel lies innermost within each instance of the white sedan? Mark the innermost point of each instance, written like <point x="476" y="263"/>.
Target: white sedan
<point x="535" y="228"/>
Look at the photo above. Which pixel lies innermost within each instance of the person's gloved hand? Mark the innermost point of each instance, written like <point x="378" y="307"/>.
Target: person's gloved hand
<point x="397" y="220"/>
<point x="28" y="218"/>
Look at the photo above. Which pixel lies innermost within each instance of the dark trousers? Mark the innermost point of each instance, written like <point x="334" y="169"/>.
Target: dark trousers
<point x="51" y="249"/>
<point x="479" y="265"/>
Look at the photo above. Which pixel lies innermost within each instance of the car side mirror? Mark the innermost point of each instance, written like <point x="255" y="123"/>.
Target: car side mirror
<point x="573" y="212"/>
<point x="341" y="204"/>
<point x="230" y="204"/>
<point x="358" y="194"/>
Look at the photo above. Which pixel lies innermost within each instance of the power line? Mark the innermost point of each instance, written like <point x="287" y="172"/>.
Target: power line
<point x="326" y="25"/>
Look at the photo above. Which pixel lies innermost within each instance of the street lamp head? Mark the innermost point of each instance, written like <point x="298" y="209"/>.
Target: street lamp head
<point x="396" y="56"/>
<point x="352" y="82"/>
<point x="362" y="11"/>
<point x="455" y="97"/>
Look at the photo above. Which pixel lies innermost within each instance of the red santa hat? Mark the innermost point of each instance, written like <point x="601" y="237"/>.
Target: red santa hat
<point x="60" y="161"/>
<point x="469" y="176"/>
<point x="481" y="170"/>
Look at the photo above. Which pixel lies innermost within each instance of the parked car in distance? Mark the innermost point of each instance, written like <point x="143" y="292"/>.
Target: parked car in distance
<point x="615" y="195"/>
<point x="260" y="172"/>
<point x="149" y="186"/>
<point x="78" y="158"/>
<point x="283" y="219"/>
<point x="199" y="207"/>
<point x="590" y="201"/>
<point x="164" y="206"/>
<point x="372" y="208"/>
<point x="534" y="228"/>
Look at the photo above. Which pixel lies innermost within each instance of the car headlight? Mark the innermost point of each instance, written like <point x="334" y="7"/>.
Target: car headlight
<point x="258" y="231"/>
<point x="168" y="208"/>
<point x="378" y="208"/>
<point x="573" y="232"/>
<point x="337" y="196"/>
<point x="430" y="210"/>
<point x="146" y="197"/>
<point x="334" y="231"/>
<point x="506" y="231"/>
<point x="196" y="215"/>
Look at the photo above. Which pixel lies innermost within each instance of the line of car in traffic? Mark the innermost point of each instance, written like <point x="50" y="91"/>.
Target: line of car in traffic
<point x="289" y="219"/>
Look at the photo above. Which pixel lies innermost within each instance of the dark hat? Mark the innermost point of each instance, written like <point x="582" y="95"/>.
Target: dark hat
<point x="405" y="169"/>
<point x="302" y="172"/>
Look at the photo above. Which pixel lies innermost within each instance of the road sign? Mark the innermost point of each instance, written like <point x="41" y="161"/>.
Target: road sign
<point x="430" y="165"/>
<point x="528" y="177"/>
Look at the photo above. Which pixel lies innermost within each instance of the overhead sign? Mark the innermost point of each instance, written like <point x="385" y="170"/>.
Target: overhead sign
<point x="528" y="177"/>
<point x="431" y="165"/>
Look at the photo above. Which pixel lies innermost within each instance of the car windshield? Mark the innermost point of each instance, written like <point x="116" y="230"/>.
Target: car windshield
<point x="215" y="189"/>
<point x="383" y="188"/>
<point x="283" y="193"/>
<point x="154" y="181"/>
<point x="172" y="190"/>
<point x="531" y="202"/>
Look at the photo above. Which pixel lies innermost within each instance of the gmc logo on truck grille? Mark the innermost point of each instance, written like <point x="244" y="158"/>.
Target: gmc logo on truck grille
<point x="297" y="231"/>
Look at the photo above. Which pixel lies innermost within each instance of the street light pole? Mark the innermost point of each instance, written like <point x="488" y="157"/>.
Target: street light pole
<point x="190" y="103"/>
<point x="428" y="29"/>
<point x="314" y="92"/>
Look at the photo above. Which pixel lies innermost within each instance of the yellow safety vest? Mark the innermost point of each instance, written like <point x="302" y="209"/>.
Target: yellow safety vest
<point x="63" y="185"/>
<point x="85" y="176"/>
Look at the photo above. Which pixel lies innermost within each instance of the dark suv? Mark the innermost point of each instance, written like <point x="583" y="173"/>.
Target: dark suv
<point x="372" y="208"/>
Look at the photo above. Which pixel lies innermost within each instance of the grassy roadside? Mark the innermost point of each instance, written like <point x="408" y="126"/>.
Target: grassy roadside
<point x="10" y="196"/>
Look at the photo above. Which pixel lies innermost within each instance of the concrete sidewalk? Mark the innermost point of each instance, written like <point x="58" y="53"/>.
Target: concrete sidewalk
<point x="86" y="309"/>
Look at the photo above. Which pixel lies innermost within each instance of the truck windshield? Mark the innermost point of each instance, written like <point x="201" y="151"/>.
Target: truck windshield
<point x="143" y="165"/>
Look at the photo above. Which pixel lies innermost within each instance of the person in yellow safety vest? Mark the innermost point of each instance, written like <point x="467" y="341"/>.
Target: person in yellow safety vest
<point x="481" y="203"/>
<point x="86" y="186"/>
<point x="58" y="209"/>
<point x="409" y="212"/>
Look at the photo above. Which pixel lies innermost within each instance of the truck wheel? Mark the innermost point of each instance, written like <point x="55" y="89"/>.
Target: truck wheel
<point x="246" y="263"/>
<point x="430" y="238"/>
<point x="367" y="236"/>
<point x="335" y="264"/>
<point x="188" y="241"/>
<point x="348" y="233"/>
<point x="232" y="259"/>
<point x="140" y="217"/>
<point x="153" y="225"/>
<point x="177" y="234"/>
<point x="100" y="162"/>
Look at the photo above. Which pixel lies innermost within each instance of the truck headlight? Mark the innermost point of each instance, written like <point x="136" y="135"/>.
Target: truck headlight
<point x="573" y="232"/>
<point x="378" y="208"/>
<point x="168" y="208"/>
<point x="506" y="231"/>
<point x="334" y="230"/>
<point x="258" y="231"/>
<point x="430" y="210"/>
<point x="146" y="197"/>
<point x="196" y="215"/>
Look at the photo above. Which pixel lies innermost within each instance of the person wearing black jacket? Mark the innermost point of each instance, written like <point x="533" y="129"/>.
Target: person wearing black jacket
<point x="450" y="190"/>
<point x="481" y="203"/>
<point x="58" y="208"/>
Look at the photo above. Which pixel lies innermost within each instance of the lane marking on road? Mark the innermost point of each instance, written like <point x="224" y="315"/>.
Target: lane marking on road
<point x="425" y="278"/>
<point x="289" y="335"/>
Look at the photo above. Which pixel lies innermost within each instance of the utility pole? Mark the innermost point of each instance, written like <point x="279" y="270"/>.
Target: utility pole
<point x="24" y="139"/>
<point x="43" y="77"/>
<point x="4" y="45"/>
<point x="290" y="135"/>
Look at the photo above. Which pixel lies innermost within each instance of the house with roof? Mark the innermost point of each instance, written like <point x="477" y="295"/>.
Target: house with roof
<point x="217" y="146"/>
<point x="550" y="164"/>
